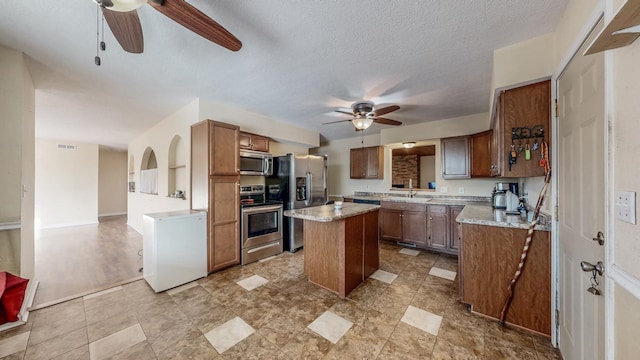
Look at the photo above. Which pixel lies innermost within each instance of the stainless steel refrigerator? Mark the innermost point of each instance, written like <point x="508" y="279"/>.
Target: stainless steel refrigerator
<point x="298" y="181"/>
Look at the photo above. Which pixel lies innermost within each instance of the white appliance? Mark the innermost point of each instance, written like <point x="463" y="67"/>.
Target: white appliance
<point x="175" y="248"/>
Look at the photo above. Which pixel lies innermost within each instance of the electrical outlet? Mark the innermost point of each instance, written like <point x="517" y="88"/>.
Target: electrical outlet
<point x="460" y="190"/>
<point x="444" y="189"/>
<point x="626" y="206"/>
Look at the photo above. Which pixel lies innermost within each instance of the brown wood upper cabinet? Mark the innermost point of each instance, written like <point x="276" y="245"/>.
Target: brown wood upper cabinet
<point x="481" y="154"/>
<point x="253" y="142"/>
<point x="367" y="163"/>
<point x="521" y="114"/>
<point x="455" y="157"/>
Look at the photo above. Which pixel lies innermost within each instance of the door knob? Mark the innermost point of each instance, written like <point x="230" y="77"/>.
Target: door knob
<point x="589" y="267"/>
<point x="599" y="238"/>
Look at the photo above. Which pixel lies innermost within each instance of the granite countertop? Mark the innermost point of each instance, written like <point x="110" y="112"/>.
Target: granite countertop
<point x="424" y="199"/>
<point x="327" y="213"/>
<point x="486" y="215"/>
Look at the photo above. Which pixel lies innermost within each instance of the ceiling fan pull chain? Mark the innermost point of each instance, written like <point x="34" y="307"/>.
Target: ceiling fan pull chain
<point x="103" y="45"/>
<point x="97" y="58"/>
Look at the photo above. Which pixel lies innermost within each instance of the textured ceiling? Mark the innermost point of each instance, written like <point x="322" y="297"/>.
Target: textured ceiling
<point x="300" y="61"/>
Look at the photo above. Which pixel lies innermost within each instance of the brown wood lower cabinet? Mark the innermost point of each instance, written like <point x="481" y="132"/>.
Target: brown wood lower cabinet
<point x="403" y="222"/>
<point x="488" y="259"/>
<point x="425" y="226"/>
<point x="340" y="254"/>
<point x="455" y="230"/>
<point x="438" y="224"/>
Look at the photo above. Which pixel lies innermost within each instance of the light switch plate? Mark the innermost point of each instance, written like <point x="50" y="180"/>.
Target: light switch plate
<point x="626" y="206"/>
<point x="460" y="190"/>
<point x="444" y="189"/>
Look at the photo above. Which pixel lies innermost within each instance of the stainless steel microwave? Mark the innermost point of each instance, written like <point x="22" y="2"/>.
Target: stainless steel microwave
<point x="255" y="163"/>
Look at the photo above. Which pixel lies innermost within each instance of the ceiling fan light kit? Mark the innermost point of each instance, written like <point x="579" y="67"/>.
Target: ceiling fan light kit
<point x="121" y="5"/>
<point x="362" y="123"/>
<point x="409" y="144"/>
<point x="364" y="115"/>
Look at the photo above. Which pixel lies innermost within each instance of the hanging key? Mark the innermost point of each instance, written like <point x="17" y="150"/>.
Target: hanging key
<point x="543" y="161"/>
<point x="535" y="145"/>
<point x="594" y="283"/>
<point x="513" y="155"/>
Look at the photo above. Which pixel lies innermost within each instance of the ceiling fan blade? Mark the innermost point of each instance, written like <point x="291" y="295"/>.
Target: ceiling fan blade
<point x="344" y="112"/>
<point x="386" y="110"/>
<point x="335" y="122"/>
<point x="126" y="28"/>
<point x="195" y="20"/>
<point x="385" y="121"/>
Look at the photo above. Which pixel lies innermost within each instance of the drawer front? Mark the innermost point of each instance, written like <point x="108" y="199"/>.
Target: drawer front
<point x="392" y="205"/>
<point x="438" y="209"/>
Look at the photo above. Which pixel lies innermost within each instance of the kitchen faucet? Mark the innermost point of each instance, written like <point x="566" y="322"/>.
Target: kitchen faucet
<point x="411" y="192"/>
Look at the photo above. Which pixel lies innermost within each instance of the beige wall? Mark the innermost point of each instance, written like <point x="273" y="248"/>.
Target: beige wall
<point x="11" y="83"/>
<point x="626" y="147"/>
<point x="340" y="184"/>
<point x="287" y="138"/>
<point x="17" y="119"/>
<point x="27" y="217"/>
<point x="427" y="170"/>
<point x="66" y="183"/>
<point x="112" y="182"/>
<point x="627" y="318"/>
<point x="258" y="124"/>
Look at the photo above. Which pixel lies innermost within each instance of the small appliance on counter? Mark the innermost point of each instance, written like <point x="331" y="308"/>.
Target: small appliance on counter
<point x="499" y="195"/>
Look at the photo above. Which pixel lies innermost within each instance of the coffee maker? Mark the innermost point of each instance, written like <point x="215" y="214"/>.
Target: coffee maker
<point x="499" y="195"/>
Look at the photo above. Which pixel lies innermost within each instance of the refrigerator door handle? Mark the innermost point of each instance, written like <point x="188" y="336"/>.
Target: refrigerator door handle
<point x="307" y="201"/>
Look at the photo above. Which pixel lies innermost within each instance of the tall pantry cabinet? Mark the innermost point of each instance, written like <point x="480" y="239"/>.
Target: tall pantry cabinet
<point x="215" y="187"/>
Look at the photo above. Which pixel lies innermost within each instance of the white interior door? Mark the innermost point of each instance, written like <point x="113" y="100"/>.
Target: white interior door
<point x="581" y="157"/>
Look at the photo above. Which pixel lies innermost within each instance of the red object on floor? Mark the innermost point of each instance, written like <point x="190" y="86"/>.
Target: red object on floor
<point x="12" y="291"/>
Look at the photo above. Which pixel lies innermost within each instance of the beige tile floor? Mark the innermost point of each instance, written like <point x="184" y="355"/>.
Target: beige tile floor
<point x="274" y="313"/>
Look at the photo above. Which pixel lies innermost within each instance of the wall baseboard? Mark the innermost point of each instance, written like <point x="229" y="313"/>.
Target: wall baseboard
<point x="55" y="226"/>
<point x="113" y="214"/>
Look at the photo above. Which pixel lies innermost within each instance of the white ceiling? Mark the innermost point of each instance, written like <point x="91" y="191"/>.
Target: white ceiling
<point x="300" y="60"/>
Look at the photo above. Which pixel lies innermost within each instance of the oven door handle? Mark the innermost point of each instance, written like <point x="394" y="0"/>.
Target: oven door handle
<point x="260" y="209"/>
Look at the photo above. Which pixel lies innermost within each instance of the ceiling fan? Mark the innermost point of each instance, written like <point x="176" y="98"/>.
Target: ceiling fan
<point x="122" y="18"/>
<point x="364" y="115"/>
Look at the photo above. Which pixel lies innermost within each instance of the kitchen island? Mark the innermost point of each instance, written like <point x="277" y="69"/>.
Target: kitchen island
<point x="340" y="245"/>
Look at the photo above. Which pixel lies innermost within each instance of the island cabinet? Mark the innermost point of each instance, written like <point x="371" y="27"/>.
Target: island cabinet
<point x="340" y="250"/>
<point x="367" y="162"/>
<point x="403" y="222"/>
<point x="253" y="142"/>
<point x="487" y="261"/>
<point x="215" y="185"/>
<point x="522" y="118"/>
